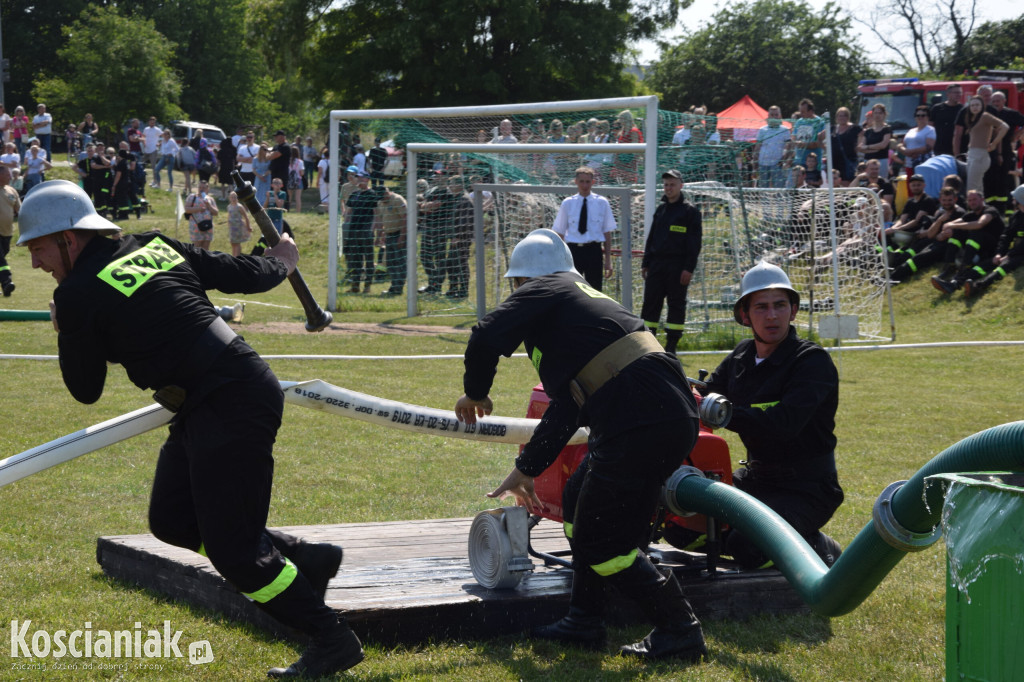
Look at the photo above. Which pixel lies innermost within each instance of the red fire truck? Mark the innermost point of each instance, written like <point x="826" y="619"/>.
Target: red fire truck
<point x="902" y="95"/>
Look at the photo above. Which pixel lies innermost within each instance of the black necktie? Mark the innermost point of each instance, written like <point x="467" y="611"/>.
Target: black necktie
<point x="583" y="216"/>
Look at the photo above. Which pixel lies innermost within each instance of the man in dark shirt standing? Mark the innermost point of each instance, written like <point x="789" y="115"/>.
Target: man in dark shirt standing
<point x="670" y="258"/>
<point x="943" y="117"/>
<point x="358" y="237"/>
<point x="600" y="368"/>
<point x="785" y="392"/>
<point x="140" y="301"/>
<point x="280" y="156"/>
<point x="377" y="158"/>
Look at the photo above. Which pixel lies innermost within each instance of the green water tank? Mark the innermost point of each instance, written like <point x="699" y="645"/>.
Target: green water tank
<point x="983" y="527"/>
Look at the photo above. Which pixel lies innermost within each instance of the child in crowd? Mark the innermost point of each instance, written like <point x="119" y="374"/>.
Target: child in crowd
<point x="239" y="229"/>
<point x="275" y="204"/>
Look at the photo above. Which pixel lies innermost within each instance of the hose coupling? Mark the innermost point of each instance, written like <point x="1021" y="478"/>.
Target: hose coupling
<point x="892" y="531"/>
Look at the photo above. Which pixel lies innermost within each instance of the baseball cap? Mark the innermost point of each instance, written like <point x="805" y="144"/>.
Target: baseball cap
<point x="280" y="132"/>
<point x="672" y="174"/>
<point x="351" y="169"/>
<point x="916" y="177"/>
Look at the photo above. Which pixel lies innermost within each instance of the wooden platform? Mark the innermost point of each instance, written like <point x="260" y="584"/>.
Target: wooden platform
<point x="409" y="581"/>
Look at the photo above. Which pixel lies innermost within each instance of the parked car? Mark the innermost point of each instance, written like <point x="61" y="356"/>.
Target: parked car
<point x="182" y="132"/>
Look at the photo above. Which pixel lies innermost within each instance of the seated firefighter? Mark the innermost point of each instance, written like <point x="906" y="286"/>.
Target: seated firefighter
<point x="602" y="369"/>
<point x="969" y="241"/>
<point x="785" y="392"/>
<point x="1009" y="251"/>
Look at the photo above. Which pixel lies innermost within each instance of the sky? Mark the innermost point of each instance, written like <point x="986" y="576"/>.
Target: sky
<point x="698" y="14"/>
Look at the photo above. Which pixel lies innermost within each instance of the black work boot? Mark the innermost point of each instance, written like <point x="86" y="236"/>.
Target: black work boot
<point x="827" y="548"/>
<point x="671" y="341"/>
<point x="972" y="287"/>
<point x="584" y="624"/>
<point x="8" y="288"/>
<point x="947" y="286"/>
<point x="677" y="632"/>
<point x="334" y="646"/>
<point x="318" y="561"/>
<point x="330" y="653"/>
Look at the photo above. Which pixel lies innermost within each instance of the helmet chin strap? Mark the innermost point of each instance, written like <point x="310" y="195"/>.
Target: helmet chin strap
<point x="65" y="256"/>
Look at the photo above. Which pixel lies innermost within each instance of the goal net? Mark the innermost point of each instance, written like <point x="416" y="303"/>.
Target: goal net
<point x="743" y="223"/>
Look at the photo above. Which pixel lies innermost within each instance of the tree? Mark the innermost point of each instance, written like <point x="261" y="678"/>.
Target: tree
<point x="776" y="51"/>
<point x="32" y="36"/>
<point x="452" y="52"/>
<point x="111" y="66"/>
<point x="924" y="36"/>
<point x="224" y="79"/>
<point x="995" y="45"/>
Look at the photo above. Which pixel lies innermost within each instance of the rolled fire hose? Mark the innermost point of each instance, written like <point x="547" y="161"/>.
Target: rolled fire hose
<point x="315" y="394"/>
<point x="498" y="544"/>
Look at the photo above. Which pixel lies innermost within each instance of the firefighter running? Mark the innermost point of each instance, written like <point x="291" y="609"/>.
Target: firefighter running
<point x="603" y="369"/>
<point x="140" y="301"/>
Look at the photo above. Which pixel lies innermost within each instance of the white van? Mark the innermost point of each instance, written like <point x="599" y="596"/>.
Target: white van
<point x="182" y="132"/>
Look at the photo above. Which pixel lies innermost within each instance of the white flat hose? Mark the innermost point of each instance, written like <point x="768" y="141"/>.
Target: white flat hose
<point x="81" y="442"/>
<point x="315" y="394"/>
<point x="321" y="395"/>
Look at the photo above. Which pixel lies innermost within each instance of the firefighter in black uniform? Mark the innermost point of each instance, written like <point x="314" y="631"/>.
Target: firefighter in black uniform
<point x="600" y="368"/>
<point x="670" y="258"/>
<point x="1009" y="251"/>
<point x="975" y="236"/>
<point x="140" y="300"/>
<point x="784" y="392"/>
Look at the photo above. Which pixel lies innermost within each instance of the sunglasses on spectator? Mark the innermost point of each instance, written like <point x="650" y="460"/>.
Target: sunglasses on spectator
<point x="920" y="115"/>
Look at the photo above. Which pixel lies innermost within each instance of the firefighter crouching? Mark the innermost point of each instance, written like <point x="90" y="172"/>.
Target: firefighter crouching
<point x="601" y="368"/>
<point x="140" y="301"/>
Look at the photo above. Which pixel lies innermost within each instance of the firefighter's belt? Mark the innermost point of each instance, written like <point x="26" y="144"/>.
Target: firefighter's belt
<point x="609" y="362"/>
<point x="200" y="358"/>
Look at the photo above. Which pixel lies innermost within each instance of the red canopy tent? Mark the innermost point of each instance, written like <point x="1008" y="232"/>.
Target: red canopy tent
<point x="744" y="118"/>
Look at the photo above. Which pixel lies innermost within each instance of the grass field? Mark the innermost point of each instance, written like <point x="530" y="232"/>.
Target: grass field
<point x="897" y="410"/>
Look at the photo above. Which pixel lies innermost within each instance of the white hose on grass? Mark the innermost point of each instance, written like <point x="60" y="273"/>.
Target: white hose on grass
<point x="315" y="394"/>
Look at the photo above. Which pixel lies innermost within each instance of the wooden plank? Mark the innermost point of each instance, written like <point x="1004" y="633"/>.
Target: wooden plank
<point x="410" y="580"/>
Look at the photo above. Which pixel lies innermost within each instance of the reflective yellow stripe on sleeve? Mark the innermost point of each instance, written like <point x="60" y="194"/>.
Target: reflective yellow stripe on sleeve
<point x="764" y="406"/>
<point x="280" y="584"/>
<point x="567" y="529"/>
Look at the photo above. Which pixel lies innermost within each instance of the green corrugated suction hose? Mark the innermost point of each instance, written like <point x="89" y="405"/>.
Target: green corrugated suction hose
<point x="24" y="315"/>
<point x="913" y="508"/>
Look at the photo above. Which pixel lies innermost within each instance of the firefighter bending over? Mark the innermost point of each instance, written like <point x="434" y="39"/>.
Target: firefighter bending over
<point x="600" y="368"/>
<point x="140" y="300"/>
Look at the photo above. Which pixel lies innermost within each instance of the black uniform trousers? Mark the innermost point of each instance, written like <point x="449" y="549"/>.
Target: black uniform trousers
<point x="434" y="256"/>
<point x="805" y="502"/>
<point x="5" y="269"/>
<point x="588" y="260"/>
<point x="610" y="500"/>
<point x="212" y="492"/>
<point x="663" y="282"/>
<point x="965" y="245"/>
<point x="394" y="255"/>
<point x="359" y="256"/>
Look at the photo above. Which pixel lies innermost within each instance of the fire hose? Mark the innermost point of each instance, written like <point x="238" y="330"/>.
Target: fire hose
<point x="314" y="394"/>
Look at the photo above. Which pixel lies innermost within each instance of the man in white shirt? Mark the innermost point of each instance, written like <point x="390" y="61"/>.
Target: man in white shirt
<point x="5" y="126"/>
<point x="247" y="151"/>
<point x="42" y="127"/>
<point x="151" y="143"/>
<point x="505" y="135"/>
<point x="585" y="222"/>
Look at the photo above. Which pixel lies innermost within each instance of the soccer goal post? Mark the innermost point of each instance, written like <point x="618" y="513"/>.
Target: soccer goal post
<point x="474" y="115"/>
